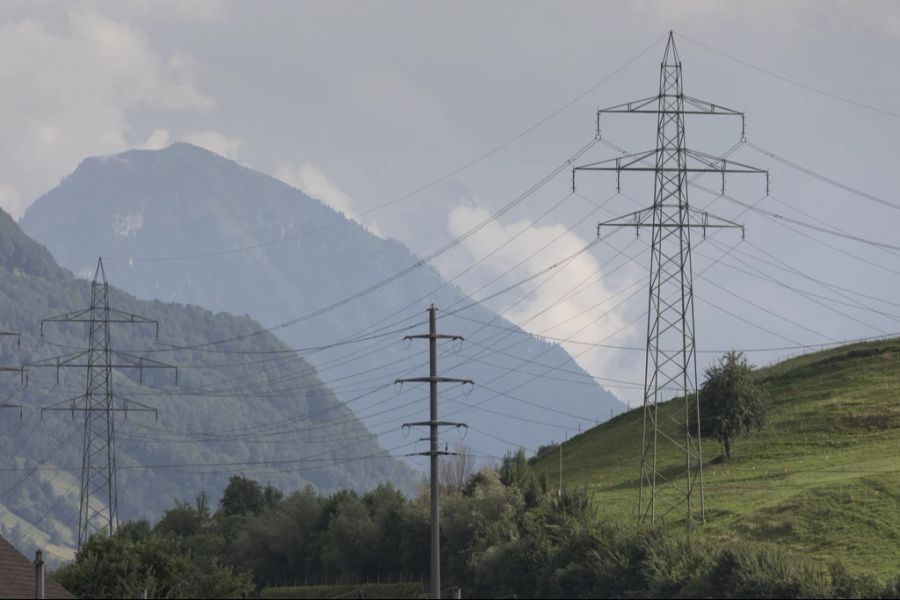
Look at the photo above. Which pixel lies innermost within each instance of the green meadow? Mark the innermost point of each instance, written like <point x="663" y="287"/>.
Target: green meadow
<point x="822" y="479"/>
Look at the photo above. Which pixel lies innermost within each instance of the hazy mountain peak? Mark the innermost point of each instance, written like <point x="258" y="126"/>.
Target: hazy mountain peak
<point x="177" y="150"/>
<point x="244" y="242"/>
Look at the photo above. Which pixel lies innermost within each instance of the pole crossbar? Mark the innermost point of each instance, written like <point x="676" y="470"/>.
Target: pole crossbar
<point x="434" y="380"/>
<point x="435" y="423"/>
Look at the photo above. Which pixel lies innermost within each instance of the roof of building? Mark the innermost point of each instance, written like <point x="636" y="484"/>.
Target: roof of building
<point x="17" y="576"/>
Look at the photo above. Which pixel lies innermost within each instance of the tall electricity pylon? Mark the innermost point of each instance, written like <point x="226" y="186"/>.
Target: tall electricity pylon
<point x="98" y="511"/>
<point x="670" y="368"/>
<point x="434" y="451"/>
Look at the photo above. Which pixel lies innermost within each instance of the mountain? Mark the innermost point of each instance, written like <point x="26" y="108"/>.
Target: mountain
<point x="234" y="239"/>
<point x="227" y="414"/>
<point x="821" y="479"/>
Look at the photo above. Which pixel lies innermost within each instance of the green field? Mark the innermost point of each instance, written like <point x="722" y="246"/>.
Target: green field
<point x="822" y="479"/>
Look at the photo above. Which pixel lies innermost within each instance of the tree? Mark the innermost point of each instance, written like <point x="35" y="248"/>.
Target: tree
<point x="514" y="471"/>
<point x="731" y="402"/>
<point x="184" y="519"/>
<point x="244" y="496"/>
<point x="455" y="470"/>
<point x="134" y="561"/>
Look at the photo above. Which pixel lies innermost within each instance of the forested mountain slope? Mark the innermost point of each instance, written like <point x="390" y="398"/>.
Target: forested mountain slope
<point x="256" y="408"/>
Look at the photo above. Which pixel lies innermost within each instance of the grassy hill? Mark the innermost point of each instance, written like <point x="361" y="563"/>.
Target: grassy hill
<point x="822" y="479"/>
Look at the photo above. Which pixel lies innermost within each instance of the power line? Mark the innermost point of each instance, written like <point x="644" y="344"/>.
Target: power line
<point x="780" y="217"/>
<point x="285" y="462"/>
<point x="793" y="82"/>
<point x="717" y="196"/>
<point x="190" y="392"/>
<point x="812" y="217"/>
<point x="331" y="382"/>
<point x="824" y="178"/>
<point x="409" y="269"/>
<point x="168" y="349"/>
<point x="424" y="186"/>
<point x="781" y="264"/>
<point x="813" y="297"/>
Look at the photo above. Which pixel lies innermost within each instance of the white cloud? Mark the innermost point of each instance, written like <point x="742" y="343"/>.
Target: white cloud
<point x="11" y="200"/>
<point x="314" y="183"/>
<point x="160" y="138"/>
<point x="310" y="180"/>
<point x="227" y="146"/>
<point x="818" y="17"/>
<point x="169" y="10"/>
<point x="542" y="312"/>
<point x="68" y="89"/>
<point x="224" y="145"/>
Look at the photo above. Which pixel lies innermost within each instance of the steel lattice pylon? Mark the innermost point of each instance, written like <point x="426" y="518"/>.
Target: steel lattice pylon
<point x="670" y="366"/>
<point x="98" y="507"/>
<point x="98" y="460"/>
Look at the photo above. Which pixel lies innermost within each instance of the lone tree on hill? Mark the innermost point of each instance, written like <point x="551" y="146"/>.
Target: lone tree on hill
<point x="731" y="402"/>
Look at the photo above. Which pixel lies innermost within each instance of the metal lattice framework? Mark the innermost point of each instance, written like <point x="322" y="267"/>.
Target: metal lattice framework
<point x="98" y="510"/>
<point x="671" y="364"/>
<point x="19" y="370"/>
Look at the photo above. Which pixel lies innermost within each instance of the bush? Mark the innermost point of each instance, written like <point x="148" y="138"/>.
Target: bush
<point x="767" y="572"/>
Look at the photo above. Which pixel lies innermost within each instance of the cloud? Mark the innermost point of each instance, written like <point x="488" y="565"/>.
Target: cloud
<point x="310" y="180"/>
<point x="160" y="138"/>
<point x="819" y="17"/>
<point x="11" y="200"/>
<point x="577" y="316"/>
<point x="224" y="145"/>
<point x="227" y="146"/>
<point x="169" y="10"/>
<point x="69" y="91"/>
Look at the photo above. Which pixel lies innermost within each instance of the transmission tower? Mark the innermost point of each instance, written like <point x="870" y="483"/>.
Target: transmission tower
<point x="434" y="426"/>
<point x="98" y="511"/>
<point x="670" y="369"/>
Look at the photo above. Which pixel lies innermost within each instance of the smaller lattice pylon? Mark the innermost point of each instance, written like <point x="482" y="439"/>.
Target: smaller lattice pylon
<point x="98" y="510"/>
<point x="18" y="370"/>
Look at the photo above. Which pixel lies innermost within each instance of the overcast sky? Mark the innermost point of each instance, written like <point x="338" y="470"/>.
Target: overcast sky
<point x="359" y="103"/>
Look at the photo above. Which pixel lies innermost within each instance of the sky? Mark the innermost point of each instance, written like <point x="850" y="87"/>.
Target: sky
<point x="469" y="104"/>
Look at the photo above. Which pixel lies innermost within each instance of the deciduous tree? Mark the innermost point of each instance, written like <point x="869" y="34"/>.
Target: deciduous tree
<point x="731" y="401"/>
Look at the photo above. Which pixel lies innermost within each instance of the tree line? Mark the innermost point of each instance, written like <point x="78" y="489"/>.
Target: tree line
<point x="505" y="532"/>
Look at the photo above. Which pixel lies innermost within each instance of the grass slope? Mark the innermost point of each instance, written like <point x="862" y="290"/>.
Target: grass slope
<point x="822" y="479"/>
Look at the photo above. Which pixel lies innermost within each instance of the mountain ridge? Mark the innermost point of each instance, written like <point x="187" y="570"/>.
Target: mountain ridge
<point x="184" y="201"/>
